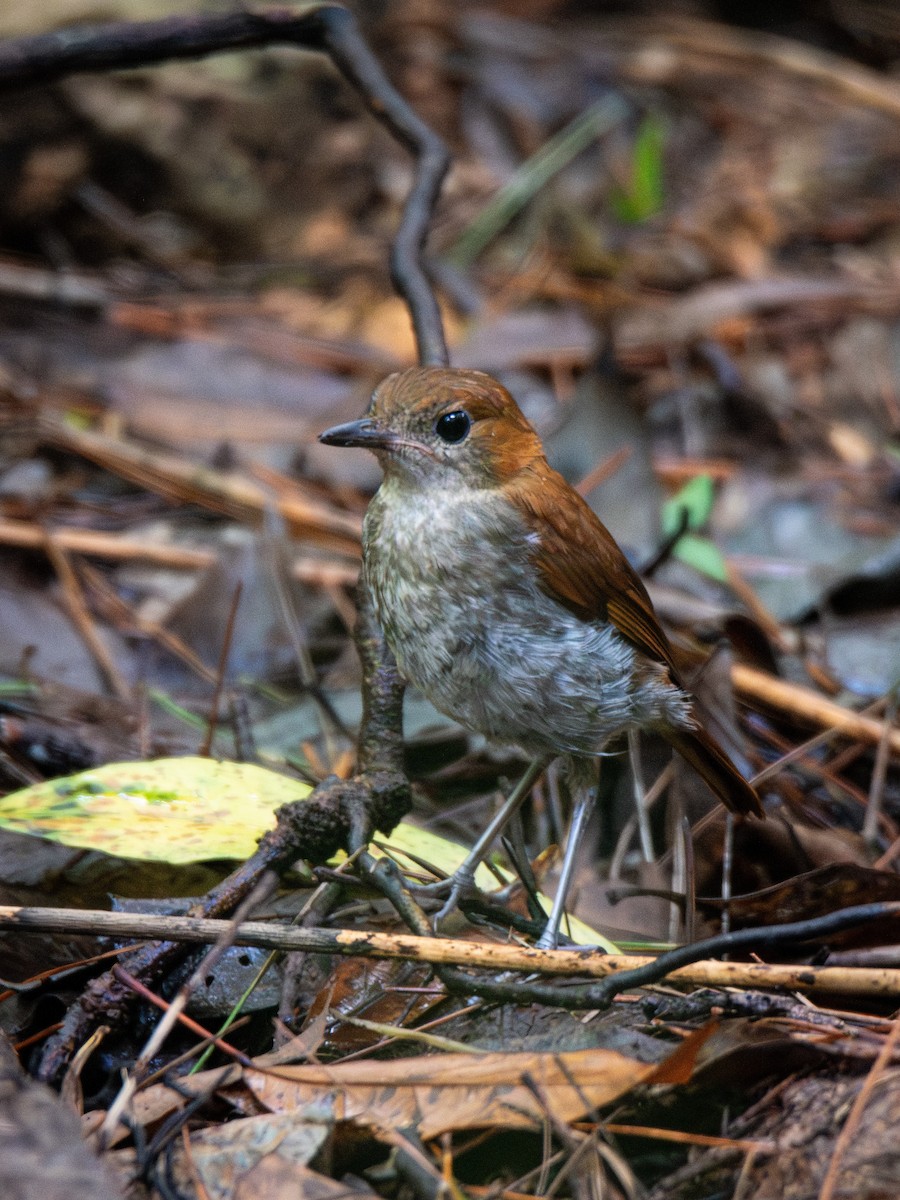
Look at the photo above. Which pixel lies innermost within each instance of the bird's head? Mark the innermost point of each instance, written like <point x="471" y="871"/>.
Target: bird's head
<point x="440" y="426"/>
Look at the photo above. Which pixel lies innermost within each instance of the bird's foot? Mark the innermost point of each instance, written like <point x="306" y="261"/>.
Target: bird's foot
<point x="549" y="939"/>
<point x="451" y="890"/>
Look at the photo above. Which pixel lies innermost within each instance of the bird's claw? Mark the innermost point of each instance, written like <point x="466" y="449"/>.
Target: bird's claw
<point x="449" y="905"/>
<point x="452" y="889"/>
<point x="549" y="939"/>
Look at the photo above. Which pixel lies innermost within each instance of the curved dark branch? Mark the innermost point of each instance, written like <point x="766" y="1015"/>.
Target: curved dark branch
<point x="355" y="60"/>
<point x="602" y="994"/>
<point x="329" y="29"/>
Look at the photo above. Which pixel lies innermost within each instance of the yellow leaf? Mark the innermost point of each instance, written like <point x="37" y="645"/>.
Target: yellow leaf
<point x="409" y="844"/>
<point x="175" y="810"/>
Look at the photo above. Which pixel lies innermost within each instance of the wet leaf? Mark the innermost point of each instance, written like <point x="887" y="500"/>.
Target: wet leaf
<point x="815" y="893"/>
<point x="381" y="992"/>
<point x="176" y="810"/>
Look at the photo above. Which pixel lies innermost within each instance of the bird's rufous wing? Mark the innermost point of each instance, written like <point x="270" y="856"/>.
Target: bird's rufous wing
<point x="581" y="566"/>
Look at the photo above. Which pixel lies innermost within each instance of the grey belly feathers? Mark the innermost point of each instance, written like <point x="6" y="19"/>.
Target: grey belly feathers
<point x="486" y="645"/>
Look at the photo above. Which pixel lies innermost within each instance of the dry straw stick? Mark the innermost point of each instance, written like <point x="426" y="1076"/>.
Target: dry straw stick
<point x="499" y="957"/>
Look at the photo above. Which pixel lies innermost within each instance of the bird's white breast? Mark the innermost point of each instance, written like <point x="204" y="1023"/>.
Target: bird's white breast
<point x="458" y="598"/>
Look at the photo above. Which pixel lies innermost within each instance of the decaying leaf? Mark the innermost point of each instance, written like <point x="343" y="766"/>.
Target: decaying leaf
<point x="431" y="1093"/>
<point x="258" y="1156"/>
<point x="435" y="1094"/>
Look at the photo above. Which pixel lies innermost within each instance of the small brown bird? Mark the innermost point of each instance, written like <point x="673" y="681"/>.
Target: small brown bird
<point x="503" y="597"/>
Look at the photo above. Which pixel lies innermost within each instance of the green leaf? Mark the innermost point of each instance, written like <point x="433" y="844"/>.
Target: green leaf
<point x="703" y="555"/>
<point x="696" y="499"/>
<point x="644" y="194"/>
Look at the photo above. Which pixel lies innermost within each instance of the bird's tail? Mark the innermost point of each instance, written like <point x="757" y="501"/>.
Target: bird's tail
<point x="714" y="766"/>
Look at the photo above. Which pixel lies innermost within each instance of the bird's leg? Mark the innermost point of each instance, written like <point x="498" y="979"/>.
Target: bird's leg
<point x="463" y="878"/>
<point x="640" y="796"/>
<point x="584" y="806"/>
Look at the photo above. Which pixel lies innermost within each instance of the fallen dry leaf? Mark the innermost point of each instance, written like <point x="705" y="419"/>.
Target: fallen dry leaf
<point x="437" y="1093"/>
<point x="259" y="1156"/>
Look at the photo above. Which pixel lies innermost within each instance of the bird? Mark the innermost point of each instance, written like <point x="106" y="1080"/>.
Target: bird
<point x="506" y="601"/>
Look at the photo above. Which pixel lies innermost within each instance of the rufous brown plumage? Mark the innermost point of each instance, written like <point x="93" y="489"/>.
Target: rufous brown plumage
<point x="504" y="598"/>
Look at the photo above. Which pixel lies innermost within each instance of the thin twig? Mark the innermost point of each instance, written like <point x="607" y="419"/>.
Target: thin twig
<point x="805" y="749"/>
<point x="354" y="59"/>
<point x="690" y="878"/>
<point x="184" y="480"/>
<point x="213" y="718"/>
<point x="670" y="44"/>
<point x="76" y="607"/>
<point x="879" y="774"/>
<point x="120" y="614"/>
<point x="639" y="795"/>
<point x="678" y="904"/>
<point x="273" y="545"/>
<point x="727" y="869"/>
<point x="120" y="548"/>
<point x="659" y="785"/>
<point x="616" y="972"/>
<point x="807" y="705"/>
<point x="106" y="545"/>
<point x="604" y="470"/>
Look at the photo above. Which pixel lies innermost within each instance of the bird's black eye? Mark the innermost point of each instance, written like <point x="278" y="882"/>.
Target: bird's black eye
<point x="453" y="427"/>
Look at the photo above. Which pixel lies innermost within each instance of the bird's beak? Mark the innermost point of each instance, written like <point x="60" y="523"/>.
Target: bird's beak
<point x="359" y="433"/>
